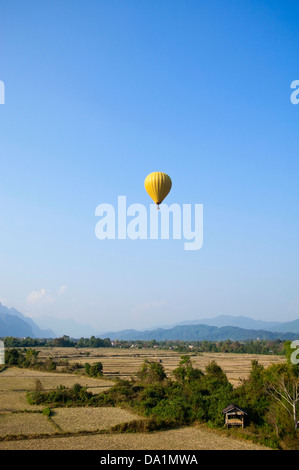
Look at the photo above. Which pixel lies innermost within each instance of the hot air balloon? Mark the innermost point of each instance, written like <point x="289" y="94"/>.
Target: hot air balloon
<point x="157" y="185"/>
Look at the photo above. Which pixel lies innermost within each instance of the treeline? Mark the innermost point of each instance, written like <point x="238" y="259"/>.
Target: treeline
<point x="192" y="395"/>
<point x="228" y="346"/>
<point x="62" y="342"/>
<point x="28" y="358"/>
<point x="197" y="347"/>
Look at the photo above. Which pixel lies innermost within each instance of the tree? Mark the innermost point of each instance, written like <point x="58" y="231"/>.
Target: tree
<point x="218" y="391"/>
<point x="283" y="385"/>
<point x="151" y="372"/>
<point x="63" y="341"/>
<point x="186" y="372"/>
<point x="51" y="364"/>
<point x="214" y="374"/>
<point x="13" y="357"/>
<point x="94" y="370"/>
<point x="251" y="394"/>
<point x="31" y="357"/>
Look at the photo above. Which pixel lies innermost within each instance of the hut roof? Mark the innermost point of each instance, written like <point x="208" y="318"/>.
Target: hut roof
<point x="233" y="407"/>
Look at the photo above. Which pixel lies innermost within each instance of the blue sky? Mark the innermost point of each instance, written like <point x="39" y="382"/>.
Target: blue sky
<point x="100" y="93"/>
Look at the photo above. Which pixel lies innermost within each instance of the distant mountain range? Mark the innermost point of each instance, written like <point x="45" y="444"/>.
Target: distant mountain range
<point x="14" y="323"/>
<point x="220" y="328"/>
<point x="229" y="320"/>
<point x="200" y="332"/>
<point x="247" y="323"/>
<point x="66" y="326"/>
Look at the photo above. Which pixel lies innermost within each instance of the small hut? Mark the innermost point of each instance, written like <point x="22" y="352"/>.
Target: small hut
<point x="234" y="416"/>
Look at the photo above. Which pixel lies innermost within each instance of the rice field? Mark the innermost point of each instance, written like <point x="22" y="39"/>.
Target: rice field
<point x="124" y="363"/>
<point x="18" y="418"/>
<point x="24" y="426"/>
<point x="90" y="419"/>
<point x="187" y="438"/>
<point x="17" y="379"/>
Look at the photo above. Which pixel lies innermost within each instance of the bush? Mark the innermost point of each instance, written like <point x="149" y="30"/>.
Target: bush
<point x="51" y="364"/>
<point x="94" y="370"/>
<point x="47" y="411"/>
<point x="151" y="372"/>
<point x="14" y="357"/>
<point x="143" y="425"/>
<point x="76" y="395"/>
<point x="177" y="410"/>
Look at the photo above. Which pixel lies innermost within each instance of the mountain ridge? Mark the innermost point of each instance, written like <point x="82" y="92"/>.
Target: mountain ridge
<point x="14" y="323"/>
<point x="247" y="323"/>
<point x="199" y="332"/>
<point x="221" y="327"/>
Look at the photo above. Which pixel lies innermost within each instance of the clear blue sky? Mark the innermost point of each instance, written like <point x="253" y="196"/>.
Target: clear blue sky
<point x="100" y="93"/>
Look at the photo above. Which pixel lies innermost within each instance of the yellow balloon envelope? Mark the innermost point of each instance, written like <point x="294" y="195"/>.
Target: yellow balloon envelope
<point x="157" y="185"/>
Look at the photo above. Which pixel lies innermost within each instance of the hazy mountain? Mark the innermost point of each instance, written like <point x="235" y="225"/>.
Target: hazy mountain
<point x="222" y="327"/>
<point x="229" y="320"/>
<point x="292" y="326"/>
<point x="69" y="327"/>
<point x="11" y="325"/>
<point x="200" y="333"/>
<point x="14" y="323"/>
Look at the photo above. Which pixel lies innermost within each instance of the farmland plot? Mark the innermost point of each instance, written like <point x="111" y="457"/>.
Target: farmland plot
<point x="124" y="363"/>
<point x="15" y="382"/>
<point x="24" y="424"/>
<point x="186" y="438"/>
<point x="90" y="419"/>
<point x="19" y="418"/>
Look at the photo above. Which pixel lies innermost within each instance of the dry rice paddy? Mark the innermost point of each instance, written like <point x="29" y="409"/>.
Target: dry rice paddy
<point x="23" y="426"/>
<point x="90" y="419"/>
<point x="126" y="362"/>
<point x="187" y="438"/>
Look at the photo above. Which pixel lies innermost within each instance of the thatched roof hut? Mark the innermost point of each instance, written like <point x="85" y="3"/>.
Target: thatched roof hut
<point x="234" y="415"/>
